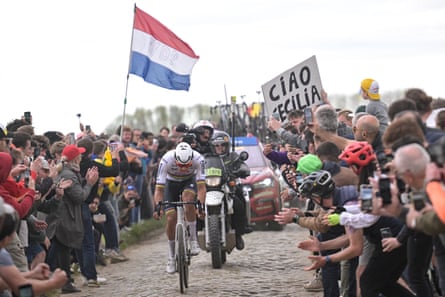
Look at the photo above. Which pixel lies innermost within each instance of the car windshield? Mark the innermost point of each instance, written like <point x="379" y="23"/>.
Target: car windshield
<point x="256" y="158"/>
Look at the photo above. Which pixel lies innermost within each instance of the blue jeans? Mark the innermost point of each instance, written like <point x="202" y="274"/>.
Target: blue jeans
<point x="110" y="226"/>
<point x="135" y="216"/>
<point x="87" y="255"/>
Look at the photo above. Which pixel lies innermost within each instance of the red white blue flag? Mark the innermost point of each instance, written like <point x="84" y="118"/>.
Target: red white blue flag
<point x="158" y="55"/>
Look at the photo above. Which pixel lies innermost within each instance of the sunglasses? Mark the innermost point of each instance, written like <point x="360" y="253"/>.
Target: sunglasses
<point x="186" y="165"/>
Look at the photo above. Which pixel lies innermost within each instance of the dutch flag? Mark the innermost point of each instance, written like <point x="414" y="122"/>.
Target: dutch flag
<point x="158" y="55"/>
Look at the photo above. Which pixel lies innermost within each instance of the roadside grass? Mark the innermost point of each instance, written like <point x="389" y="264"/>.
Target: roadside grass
<point x="141" y="232"/>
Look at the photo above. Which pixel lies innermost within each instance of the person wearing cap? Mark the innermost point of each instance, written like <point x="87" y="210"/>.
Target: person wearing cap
<point x="65" y="226"/>
<point x="369" y="90"/>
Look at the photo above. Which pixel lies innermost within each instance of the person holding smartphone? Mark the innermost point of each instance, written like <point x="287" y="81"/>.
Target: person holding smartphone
<point x="295" y="132"/>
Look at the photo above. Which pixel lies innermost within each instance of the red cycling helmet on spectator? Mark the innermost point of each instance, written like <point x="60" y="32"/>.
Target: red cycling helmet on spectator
<point x="358" y="155"/>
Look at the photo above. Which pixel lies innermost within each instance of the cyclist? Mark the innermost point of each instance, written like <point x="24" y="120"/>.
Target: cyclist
<point x="220" y="145"/>
<point x="181" y="171"/>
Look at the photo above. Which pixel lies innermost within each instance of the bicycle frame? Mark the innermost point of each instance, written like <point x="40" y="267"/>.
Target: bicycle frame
<point x="182" y="242"/>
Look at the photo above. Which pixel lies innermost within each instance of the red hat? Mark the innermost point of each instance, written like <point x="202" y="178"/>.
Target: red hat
<point x="71" y="151"/>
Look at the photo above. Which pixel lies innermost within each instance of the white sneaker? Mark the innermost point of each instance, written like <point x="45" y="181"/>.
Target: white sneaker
<point x="194" y="248"/>
<point x="171" y="265"/>
<point x="101" y="280"/>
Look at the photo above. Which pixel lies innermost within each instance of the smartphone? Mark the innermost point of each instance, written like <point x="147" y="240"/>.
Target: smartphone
<point x="366" y="197"/>
<point x="276" y="116"/>
<point x="308" y="116"/>
<point x="113" y="146"/>
<point x="88" y="128"/>
<point x="27" y="116"/>
<point x="418" y="199"/>
<point x="26" y="291"/>
<point x="385" y="189"/>
<point x="72" y="138"/>
<point x="385" y="232"/>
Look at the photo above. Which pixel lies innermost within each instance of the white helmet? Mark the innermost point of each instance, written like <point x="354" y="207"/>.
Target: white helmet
<point x="183" y="153"/>
<point x="204" y="124"/>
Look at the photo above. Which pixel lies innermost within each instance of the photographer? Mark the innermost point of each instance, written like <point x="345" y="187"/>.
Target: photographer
<point x="126" y="203"/>
<point x="410" y="162"/>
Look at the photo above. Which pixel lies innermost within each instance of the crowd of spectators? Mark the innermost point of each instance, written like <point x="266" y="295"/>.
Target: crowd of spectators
<point x="72" y="196"/>
<point x="373" y="202"/>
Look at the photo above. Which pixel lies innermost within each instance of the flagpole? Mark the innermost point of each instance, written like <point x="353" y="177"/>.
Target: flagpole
<point x="128" y="73"/>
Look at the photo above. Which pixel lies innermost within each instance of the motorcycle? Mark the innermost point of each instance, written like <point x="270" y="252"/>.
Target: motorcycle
<point x="218" y="237"/>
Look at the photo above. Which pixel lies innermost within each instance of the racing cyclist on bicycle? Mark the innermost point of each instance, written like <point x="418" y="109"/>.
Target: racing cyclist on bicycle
<point x="180" y="171"/>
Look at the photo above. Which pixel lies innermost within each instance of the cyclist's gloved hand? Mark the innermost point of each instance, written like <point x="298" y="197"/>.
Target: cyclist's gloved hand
<point x="157" y="213"/>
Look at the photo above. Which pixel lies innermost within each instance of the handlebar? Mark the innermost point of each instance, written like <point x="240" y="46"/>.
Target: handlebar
<point x="197" y="203"/>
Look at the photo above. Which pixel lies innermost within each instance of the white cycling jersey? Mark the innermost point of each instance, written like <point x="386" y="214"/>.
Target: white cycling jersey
<point x="168" y="170"/>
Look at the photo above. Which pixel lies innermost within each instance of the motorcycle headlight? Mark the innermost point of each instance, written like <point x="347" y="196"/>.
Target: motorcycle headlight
<point x="213" y="181"/>
<point x="267" y="182"/>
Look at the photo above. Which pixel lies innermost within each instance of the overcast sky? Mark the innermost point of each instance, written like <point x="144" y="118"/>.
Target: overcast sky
<point x="60" y="58"/>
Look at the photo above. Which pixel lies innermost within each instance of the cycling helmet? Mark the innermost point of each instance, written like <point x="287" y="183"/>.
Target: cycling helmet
<point x="220" y="138"/>
<point x="204" y="124"/>
<point x="183" y="153"/>
<point x="318" y="183"/>
<point x="358" y="155"/>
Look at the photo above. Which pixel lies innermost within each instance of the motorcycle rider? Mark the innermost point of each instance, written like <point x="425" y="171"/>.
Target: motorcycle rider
<point x="180" y="171"/>
<point x="220" y="145"/>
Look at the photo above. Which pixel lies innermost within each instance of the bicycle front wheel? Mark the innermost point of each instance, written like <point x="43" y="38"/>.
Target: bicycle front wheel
<point x="180" y="257"/>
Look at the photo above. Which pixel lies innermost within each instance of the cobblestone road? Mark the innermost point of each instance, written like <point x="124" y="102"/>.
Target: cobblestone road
<point x="270" y="265"/>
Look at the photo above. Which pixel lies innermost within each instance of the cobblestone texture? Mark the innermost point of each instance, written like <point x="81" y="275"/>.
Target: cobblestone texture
<point x="270" y="265"/>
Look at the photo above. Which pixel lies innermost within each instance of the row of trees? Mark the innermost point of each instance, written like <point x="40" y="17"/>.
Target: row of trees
<point x="248" y="118"/>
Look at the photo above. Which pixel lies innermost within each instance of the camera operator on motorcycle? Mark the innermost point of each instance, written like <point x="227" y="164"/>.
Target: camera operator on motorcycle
<point x="203" y="131"/>
<point x="180" y="171"/>
<point x="220" y="145"/>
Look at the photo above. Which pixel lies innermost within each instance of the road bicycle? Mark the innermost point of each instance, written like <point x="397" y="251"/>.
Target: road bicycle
<point x="182" y="241"/>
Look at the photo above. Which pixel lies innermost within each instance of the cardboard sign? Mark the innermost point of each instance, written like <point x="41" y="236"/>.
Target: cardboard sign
<point x="296" y="88"/>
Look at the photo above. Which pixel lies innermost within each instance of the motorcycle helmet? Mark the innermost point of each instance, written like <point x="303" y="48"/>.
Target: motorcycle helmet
<point x="183" y="154"/>
<point x="358" y="155"/>
<point x="318" y="183"/>
<point x="220" y="138"/>
<point x="201" y="125"/>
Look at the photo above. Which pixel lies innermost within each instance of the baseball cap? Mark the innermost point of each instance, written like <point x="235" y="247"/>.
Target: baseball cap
<point x="71" y="151"/>
<point x="371" y="87"/>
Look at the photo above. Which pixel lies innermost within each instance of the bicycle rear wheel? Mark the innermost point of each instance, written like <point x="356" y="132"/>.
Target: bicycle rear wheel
<point x="180" y="258"/>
